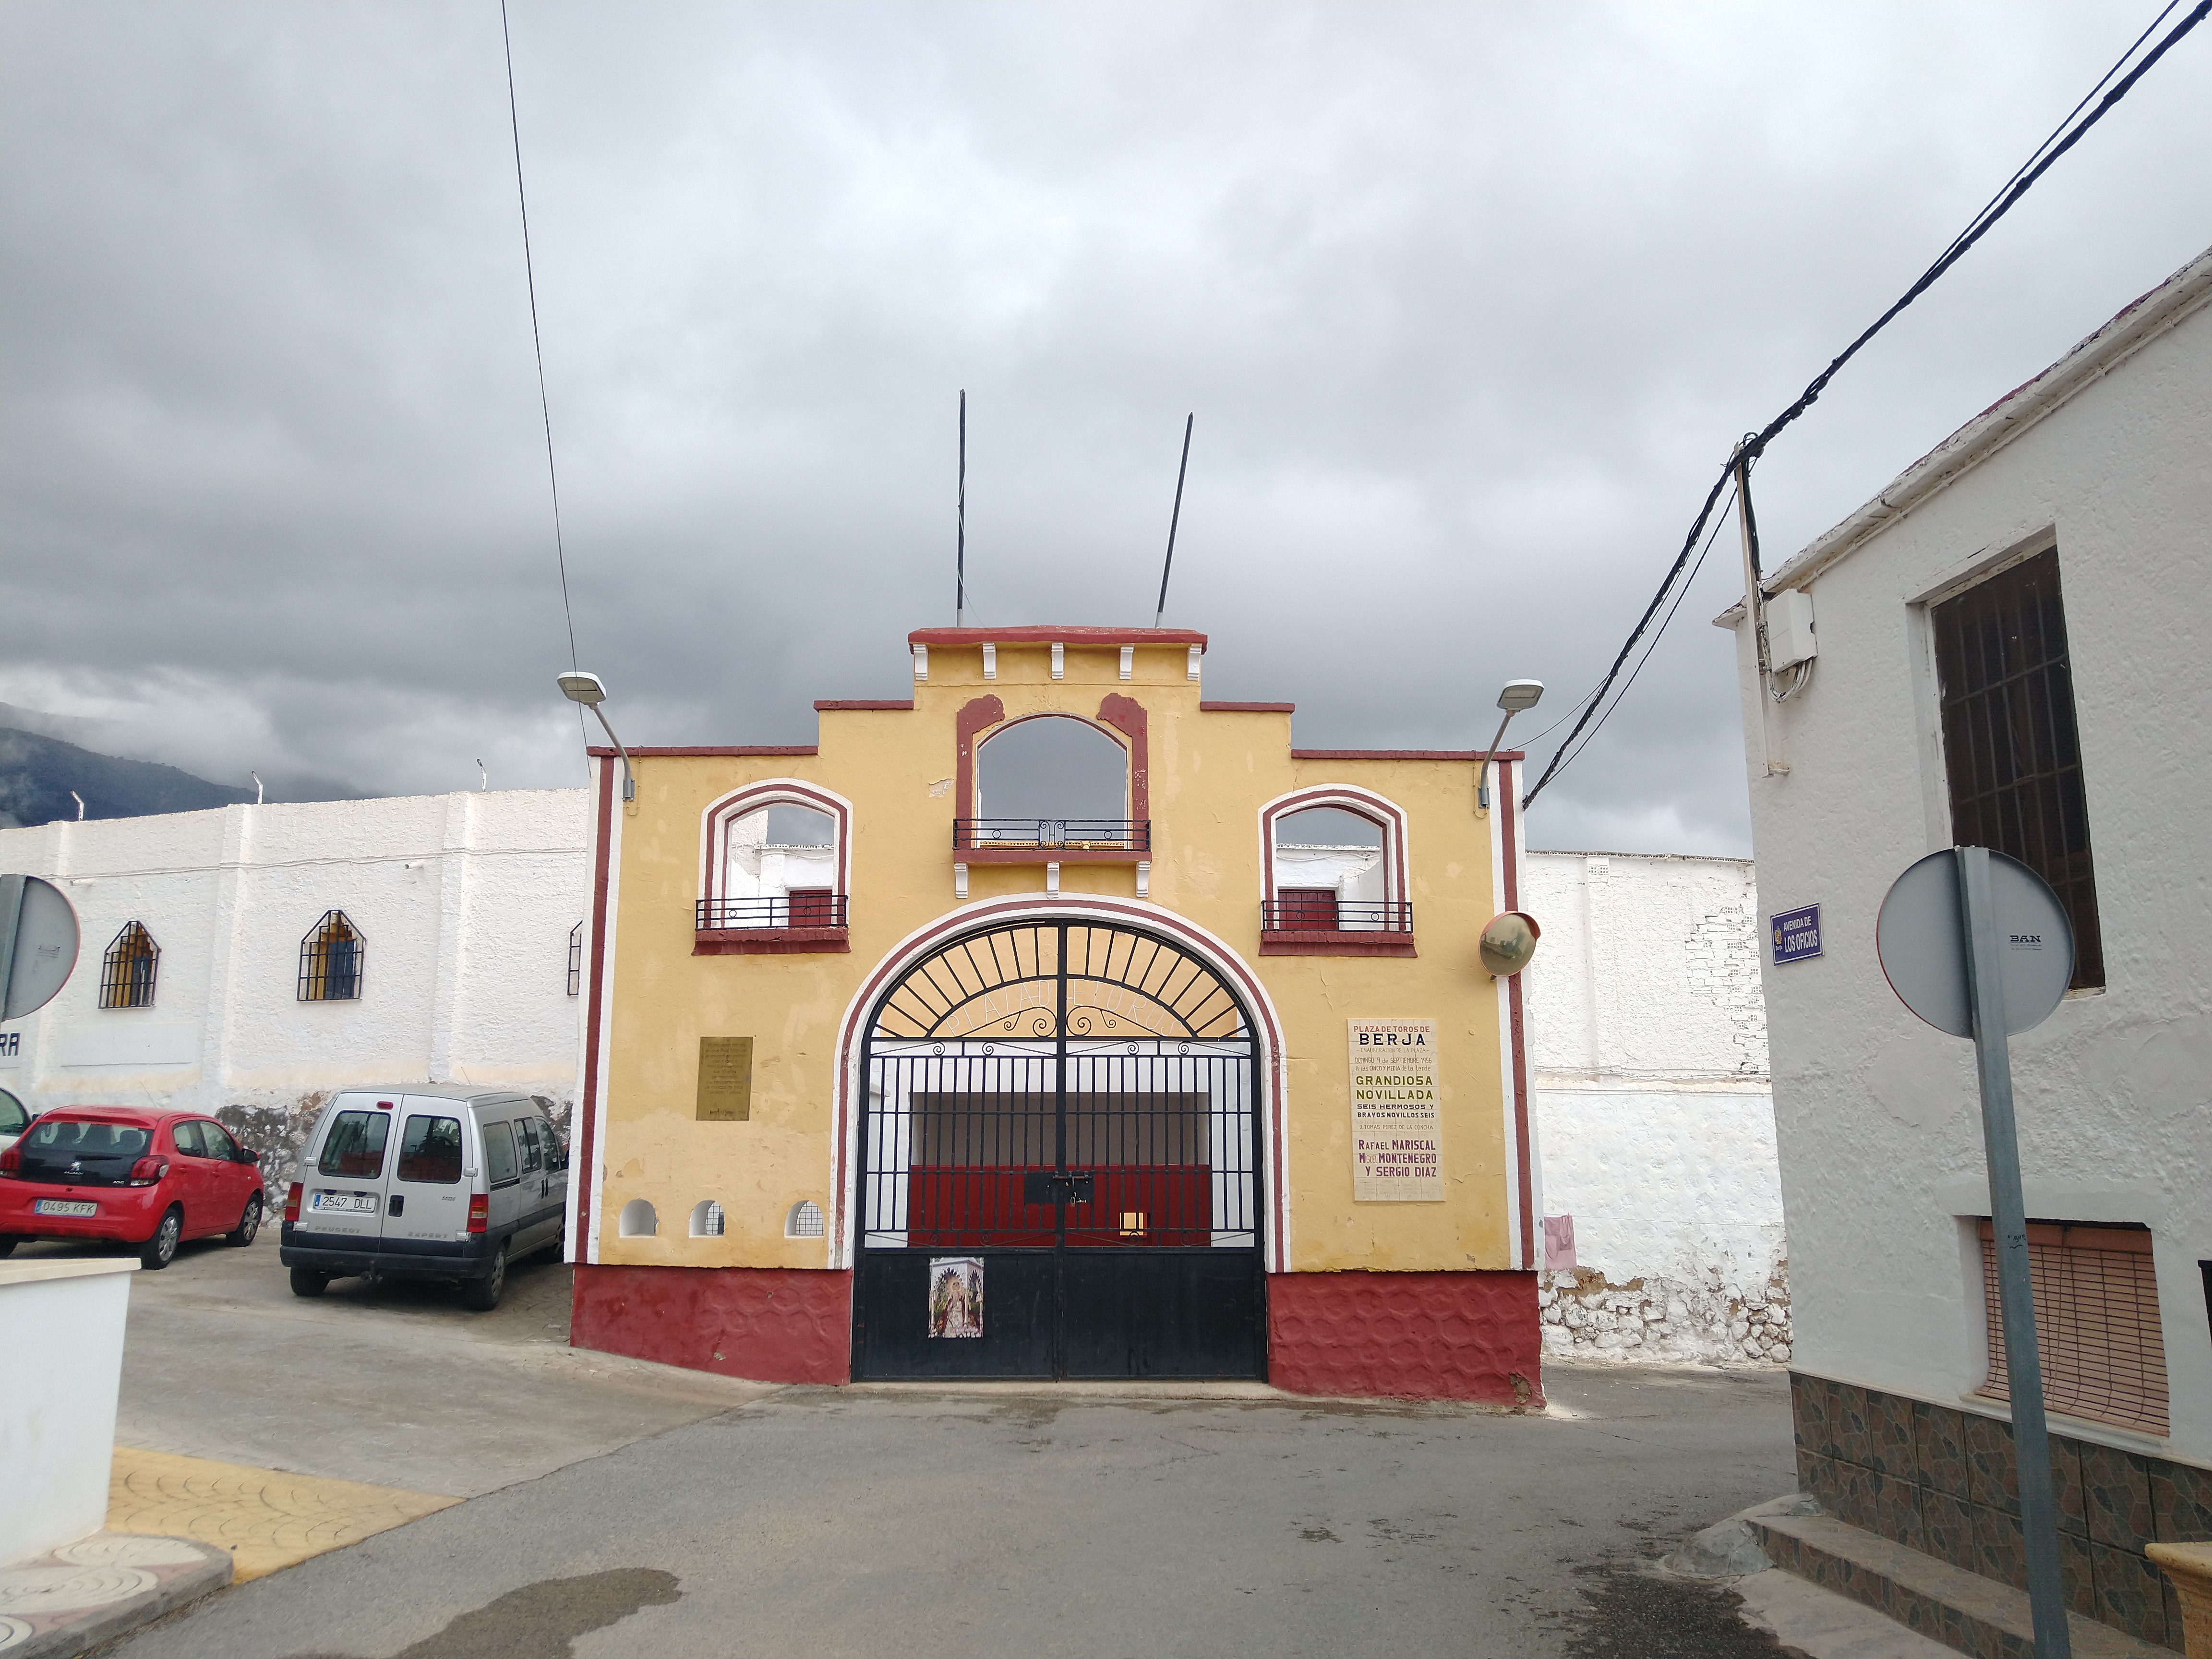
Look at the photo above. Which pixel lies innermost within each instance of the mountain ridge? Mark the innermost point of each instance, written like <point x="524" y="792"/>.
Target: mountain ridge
<point x="37" y="772"/>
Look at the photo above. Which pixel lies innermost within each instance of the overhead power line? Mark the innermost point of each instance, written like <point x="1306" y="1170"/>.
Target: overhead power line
<point x="2064" y="138"/>
<point x="1683" y="593"/>
<point x="544" y="403"/>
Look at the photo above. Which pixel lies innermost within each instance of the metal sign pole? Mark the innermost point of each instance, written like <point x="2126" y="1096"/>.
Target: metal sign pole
<point x="2030" y="1440"/>
<point x="11" y="916"/>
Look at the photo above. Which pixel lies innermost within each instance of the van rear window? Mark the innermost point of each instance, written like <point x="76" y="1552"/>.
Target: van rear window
<point x="355" y="1146"/>
<point x="499" y="1153"/>
<point x="430" y="1151"/>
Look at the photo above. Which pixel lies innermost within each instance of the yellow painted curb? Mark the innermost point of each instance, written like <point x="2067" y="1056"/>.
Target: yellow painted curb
<point x="265" y="1518"/>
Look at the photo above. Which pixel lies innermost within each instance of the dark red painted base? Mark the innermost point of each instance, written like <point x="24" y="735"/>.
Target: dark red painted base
<point x="771" y="1324"/>
<point x="1420" y="1336"/>
<point x="1417" y="1336"/>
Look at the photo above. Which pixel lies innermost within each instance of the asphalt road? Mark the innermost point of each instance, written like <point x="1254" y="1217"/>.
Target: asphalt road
<point x="619" y="1507"/>
<point x="876" y="1521"/>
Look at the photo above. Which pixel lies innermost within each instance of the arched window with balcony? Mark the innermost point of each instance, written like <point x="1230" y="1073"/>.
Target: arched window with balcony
<point x="776" y="861"/>
<point x="128" y="969"/>
<point x="331" y="959"/>
<point x="1052" y="781"/>
<point x="1334" y="862"/>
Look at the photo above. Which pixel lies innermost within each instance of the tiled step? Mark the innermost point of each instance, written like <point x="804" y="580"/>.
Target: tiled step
<point x="1961" y="1609"/>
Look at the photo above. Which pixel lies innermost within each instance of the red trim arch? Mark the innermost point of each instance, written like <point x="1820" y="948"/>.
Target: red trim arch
<point x="1126" y="716"/>
<point x="852" y="1089"/>
<point x="715" y="822"/>
<point x="1366" y="803"/>
<point x="1121" y="720"/>
<point x="1390" y="818"/>
<point x="976" y="716"/>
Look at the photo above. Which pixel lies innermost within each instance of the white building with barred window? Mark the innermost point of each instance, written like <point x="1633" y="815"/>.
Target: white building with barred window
<point x="244" y="961"/>
<point x="2005" y="647"/>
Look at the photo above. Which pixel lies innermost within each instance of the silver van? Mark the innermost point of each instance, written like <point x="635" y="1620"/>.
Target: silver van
<point x="425" y="1181"/>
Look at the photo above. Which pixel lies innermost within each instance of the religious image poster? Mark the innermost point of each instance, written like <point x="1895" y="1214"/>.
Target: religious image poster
<point x="956" y="1295"/>
<point x="1396" y="1151"/>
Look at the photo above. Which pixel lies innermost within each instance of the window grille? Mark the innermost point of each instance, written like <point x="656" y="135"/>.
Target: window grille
<point x="127" y="971"/>
<point x="331" y="960"/>
<point x="2097" y="1330"/>
<point x="576" y="959"/>
<point x="2011" y="749"/>
<point x="803" y="1221"/>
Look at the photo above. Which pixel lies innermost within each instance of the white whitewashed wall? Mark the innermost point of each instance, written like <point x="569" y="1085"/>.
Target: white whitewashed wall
<point x="1654" y="1111"/>
<point x="2104" y="455"/>
<point x="464" y="900"/>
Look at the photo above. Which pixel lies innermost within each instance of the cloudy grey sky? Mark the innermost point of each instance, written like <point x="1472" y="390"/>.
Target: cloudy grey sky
<point x="1470" y="302"/>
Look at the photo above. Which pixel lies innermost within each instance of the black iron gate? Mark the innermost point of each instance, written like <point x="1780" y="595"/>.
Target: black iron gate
<point x="1059" y="1174"/>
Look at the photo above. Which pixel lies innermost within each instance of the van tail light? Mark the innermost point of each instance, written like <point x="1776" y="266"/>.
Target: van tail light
<point x="10" y="1160"/>
<point x="292" y="1202"/>
<point x="479" y="1214"/>
<point x="147" y="1170"/>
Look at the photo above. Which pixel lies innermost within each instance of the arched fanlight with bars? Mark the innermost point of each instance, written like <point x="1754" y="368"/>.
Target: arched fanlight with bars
<point x="331" y="959"/>
<point x="128" y="969"/>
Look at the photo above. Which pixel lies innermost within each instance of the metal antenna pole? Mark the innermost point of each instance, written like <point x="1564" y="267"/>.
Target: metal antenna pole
<point x="960" y="565"/>
<point x="2030" y="1439"/>
<point x="1160" y="614"/>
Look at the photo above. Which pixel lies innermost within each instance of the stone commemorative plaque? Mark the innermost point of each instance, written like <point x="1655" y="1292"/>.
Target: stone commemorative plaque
<point x="1396" y="1151"/>
<point x="725" y="1079"/>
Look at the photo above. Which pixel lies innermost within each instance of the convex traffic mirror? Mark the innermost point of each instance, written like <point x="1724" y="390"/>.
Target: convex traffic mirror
<point x="1509" y="942"/>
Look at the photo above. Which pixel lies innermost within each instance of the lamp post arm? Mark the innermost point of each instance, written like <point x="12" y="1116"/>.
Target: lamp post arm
<point x="630" y="782"/>
<point x="1482" y="778"/>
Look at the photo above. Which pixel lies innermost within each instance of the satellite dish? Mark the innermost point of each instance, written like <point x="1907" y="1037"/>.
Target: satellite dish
<point x="1509" y="942"/>
<point x="37" y="944"/>
<point x="1920" y="935"/>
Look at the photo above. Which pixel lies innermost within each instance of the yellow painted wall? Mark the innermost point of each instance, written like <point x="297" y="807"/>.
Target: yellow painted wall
<point x="1211" y="772"/>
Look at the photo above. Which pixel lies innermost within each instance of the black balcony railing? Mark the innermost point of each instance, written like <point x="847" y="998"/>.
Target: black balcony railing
<point x="798" y="910"/>
<point x="1324" y="913"/>
<point x="1053" y="835"/>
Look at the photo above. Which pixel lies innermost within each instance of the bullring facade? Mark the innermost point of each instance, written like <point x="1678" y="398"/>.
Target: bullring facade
<point x="1054" y="1023"/>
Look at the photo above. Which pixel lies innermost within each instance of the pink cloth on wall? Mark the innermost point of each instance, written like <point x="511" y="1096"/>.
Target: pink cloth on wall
<point x="1559" y="1243"/>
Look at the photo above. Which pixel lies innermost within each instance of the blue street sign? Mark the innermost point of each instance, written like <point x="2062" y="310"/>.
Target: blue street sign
<point x="1796" y="934"/>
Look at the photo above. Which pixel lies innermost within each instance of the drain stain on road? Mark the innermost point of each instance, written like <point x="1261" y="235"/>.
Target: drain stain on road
<point x="542" y="1620"/>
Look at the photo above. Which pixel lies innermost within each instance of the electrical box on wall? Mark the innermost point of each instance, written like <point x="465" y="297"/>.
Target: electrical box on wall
<point x="1790" y="630"/>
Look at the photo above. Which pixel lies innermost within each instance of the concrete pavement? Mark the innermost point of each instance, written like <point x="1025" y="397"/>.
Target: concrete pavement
<point x="394" y="1385"/>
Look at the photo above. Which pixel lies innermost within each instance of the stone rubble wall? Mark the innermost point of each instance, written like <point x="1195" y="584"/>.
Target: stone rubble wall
<point x="1588" y="1316"/>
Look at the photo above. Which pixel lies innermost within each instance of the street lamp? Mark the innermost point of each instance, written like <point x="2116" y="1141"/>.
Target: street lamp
<point x="1518" y="695"/>
<point x="588" y="689"/>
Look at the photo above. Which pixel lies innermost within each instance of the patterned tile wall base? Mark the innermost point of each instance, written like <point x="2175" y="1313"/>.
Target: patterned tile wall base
<point x="1943" y="1481"/>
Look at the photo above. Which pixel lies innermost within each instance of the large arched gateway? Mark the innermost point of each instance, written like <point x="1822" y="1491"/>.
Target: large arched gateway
<point x="1058" y="1170"/>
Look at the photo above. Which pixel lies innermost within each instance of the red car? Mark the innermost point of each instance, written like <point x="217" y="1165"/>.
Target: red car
<point x="148" y="1178"/>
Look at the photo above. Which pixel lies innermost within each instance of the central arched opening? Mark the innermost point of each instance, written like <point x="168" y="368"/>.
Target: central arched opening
<point x="1051" y="781"/>
<point x="1061" y="1116"/>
